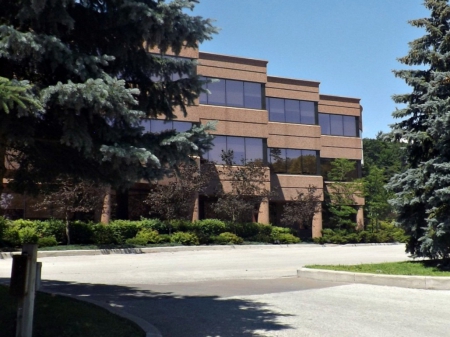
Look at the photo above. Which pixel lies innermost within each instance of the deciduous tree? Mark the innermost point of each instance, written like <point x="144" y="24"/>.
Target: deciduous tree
<point x="299" y="211"/>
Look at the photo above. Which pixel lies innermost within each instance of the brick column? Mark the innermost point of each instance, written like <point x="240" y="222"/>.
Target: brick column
<point x="360" y="218"/>
<point x="263" y="216"/>
<point x="317" y="225"/>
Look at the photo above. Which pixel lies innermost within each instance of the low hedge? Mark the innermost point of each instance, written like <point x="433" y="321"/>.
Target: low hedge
<point x="142" y="232"/>
<point x="386" y="233"/>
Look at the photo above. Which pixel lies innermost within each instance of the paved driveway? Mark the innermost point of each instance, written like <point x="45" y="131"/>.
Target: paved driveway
<point x="250" y="292"/>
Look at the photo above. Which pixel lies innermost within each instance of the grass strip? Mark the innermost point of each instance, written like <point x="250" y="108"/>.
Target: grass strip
<point x="412" y="268"/>
<point x="59" y="316"/>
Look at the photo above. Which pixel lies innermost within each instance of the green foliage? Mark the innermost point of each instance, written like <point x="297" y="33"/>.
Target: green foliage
<point x="210" y="227"/>
<point x="227" y="238"/>
<point x="103" y="235"/>
<point x="89" y="126"/>
<point x="340" y="195"/>
<point x="164" y="238"/>
<point x="47" y="241"/>
<point x="3" y="226"/>
<point x="148" y="235"/>
<point x="285" y="238"/>
<point x="51" y="228"/>
<point x="137" y="241"/>
<point x="187" y="239"/>
<point x="384" y="154"/>
<point x="161" y="227"/>
<point x="243" y="230"/>
<point x="422" y="192"/>
<point x="81" y="232"/>
<point x="123" y="230"/>
<point x="387" y="233"/>
<point x="28" y="235"/>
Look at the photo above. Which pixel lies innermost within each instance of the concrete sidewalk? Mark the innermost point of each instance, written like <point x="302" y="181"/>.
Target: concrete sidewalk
<point x="150" y="250"/>
<point x="403" y="281"/>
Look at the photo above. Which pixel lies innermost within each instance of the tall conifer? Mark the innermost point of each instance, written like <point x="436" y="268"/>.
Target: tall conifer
<point x="88" y="63"/>
<point x="422" y="192"/>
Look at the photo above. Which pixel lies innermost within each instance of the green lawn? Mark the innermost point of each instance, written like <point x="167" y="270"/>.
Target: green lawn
<point x="418" y="268"/>
<point x="59" y="316"/>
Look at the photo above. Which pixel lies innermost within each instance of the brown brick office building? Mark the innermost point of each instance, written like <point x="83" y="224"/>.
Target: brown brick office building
<point x="260" y="116"/>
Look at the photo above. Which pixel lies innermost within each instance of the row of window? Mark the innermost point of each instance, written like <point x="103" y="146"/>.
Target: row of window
<point x="233" y="93"/>
<point x="245" y="149"/>
<point x="338" y="125"/>
<point x="291" y="111"/>
<point x="292" y="161"/>
<point x="160" y="125"/>
<point x="243" y="94"/>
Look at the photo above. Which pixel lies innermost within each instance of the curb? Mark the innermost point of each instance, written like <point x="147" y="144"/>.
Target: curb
<point x="174" y="249"/>
<point x="149" y="329"/>
<point x="402" y="281"/>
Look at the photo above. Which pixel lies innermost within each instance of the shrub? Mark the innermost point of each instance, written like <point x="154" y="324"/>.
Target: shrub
<point x="136" y="241"/>
<point x="210" y="227"/>
<point x="148" y="235"/>
<point x="260" y="238"/>
<point x="47" y="241"/>
<point x="124" y="229"/>
<point x="81" y="232"/>
<point x="184" y="238"/>
<point x="227" y="238"/>
<point x="103" y="235"/>
<point x="243" y="230"/>
<point x="164" y="238"/>
<point x="11" y="236"/>
<point x="51" y="227"/>
<point x="3" y="226"/>
<point x="28" y="235"/>
<point x="22" y="223"/>
<point x="264" y="229"/>
<point x="179" y="225"/>
<point x="287" y="238"/>
<point x="155" y="224"/>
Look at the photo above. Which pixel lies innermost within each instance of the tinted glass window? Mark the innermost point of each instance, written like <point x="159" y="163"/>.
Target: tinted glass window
<point x="215" y="154"/>
<point x="324" y="122"/>
<point x="294" y="161"/>
<point x="277" y="159"/>
<point x="182" y="126"/>
<point x="237" y="144"/>
<point x="349" y="126"/>
<point x="253" y="150"/>
<point x="252" y="93"/>
<point x="276" y="110"/>
<point x="309" y="162"/>
<point x="203" y="96"/>
<point x="336" y="126"/>
<point x="308" y="112"/>
<point x="235" y="93"/>
<point x="292" y="111"/>
<point x="325" y="167"/>
<point x="146" y="124"/>
<point x="217" y="95"/>
<point x="160" y="125"/>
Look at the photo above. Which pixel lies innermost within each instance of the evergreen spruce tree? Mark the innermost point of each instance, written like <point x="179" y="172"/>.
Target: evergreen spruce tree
<point x="422" y="192"/>
<point x="88" y="64"/>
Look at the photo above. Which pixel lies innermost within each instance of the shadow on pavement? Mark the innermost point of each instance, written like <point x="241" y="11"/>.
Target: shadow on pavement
<point x="179" y="316"/>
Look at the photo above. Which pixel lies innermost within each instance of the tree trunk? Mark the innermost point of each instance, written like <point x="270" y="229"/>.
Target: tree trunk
<point x="106" y="209"/>
<point x="122" y="205"/>
<point x="2" y="163"/>
<point x="67" y="228"/>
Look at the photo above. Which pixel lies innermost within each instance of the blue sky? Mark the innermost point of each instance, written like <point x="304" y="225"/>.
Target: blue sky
<point x="350" y="46"/>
